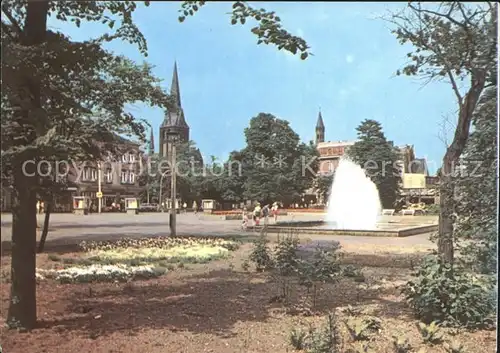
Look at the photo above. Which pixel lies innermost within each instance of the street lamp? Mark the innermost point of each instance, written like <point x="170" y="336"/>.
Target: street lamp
<point x="173" y="139"/>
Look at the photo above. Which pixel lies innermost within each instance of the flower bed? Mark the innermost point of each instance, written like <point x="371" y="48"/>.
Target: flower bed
<point x="101" y="273"/>
<point x="197" y="253"/>
<point x="158" y="242"/>
<point x="130" y="259"/>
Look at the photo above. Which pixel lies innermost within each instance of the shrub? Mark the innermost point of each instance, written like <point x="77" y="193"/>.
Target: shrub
<point x="361" y="329"/>
<point x="261" y="254"/>
<point x="325" y="339"/>
<point x="286" y="263"/>
<point x="401" y="344"/>
<point x="298" y="339"/>
<point x="322" y="268"/>
<point x="454" y="347"/>
<point x="354" y="272"/>
<point x="431" y="334"/>
<point x="449" y="295"/>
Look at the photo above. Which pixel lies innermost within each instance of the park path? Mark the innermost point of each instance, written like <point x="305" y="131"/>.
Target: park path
<point x="71" y="229"/>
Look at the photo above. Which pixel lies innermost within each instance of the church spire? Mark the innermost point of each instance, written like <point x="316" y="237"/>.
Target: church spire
<point x="320" y="129"/>
<point x="174" y="88"/>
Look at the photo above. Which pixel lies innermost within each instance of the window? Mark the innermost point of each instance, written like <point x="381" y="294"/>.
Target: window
<point x="108" y="176"/>
<point x="131" y="158"/>
<point x="127" y="177"/>
<point x="124" y="177"/>
<point x="125" y="158"/>
<point x="89" y="174"/>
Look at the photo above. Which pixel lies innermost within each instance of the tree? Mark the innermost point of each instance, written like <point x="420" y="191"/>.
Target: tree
<point x="476" y="231"/>
<point x="379" y="158"/>
<point x="455" y="42"/>
<point x="275" y="165"/>
<point x="323" y="184"/>
<point x="62" y="97"/>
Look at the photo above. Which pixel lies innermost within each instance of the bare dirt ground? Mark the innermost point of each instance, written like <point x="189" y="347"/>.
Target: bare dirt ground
<point x="216" y="307"/>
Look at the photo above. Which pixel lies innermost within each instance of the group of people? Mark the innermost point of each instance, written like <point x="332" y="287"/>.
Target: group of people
<point x="260" y="212"/>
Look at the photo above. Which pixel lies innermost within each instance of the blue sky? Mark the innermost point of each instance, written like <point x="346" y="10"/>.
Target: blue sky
<point x="226" y="78"/>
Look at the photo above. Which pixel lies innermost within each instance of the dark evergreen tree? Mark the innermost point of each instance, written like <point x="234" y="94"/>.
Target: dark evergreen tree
<point x="379" y="158"/>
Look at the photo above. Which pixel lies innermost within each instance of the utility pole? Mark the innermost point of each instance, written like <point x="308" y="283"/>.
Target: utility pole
<point x="172" y="138"/>
<point x="174" y="193"/>
<point x="99" y="191"/>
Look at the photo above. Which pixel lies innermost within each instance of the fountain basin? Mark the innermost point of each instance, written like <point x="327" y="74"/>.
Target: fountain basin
<point x="322" y="228"/>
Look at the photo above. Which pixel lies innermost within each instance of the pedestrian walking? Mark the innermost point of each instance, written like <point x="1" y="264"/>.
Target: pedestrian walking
<point x="256" y="214"/>
<point x="275" y="211"/>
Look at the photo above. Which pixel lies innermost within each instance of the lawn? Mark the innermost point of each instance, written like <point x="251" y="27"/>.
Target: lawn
<point x="207" y="300"/>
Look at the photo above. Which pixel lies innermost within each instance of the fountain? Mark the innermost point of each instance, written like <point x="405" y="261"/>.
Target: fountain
<point x="354" y="201"/>
<point x="354" y="209"/>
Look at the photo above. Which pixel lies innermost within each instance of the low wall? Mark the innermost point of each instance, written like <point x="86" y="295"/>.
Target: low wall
<point x="306" y="228"/>
<point x="239" y="212"/>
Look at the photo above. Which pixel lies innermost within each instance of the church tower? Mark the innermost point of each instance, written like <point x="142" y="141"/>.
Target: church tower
<point x="320" y="129"/>
<point x="174" y="120"/>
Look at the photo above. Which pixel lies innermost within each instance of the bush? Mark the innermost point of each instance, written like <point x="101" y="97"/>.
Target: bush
<point x="432" y="209"/>
<point x="450" y="296"/>
<point x="324" y="339"/>
<point x="261" y="254"/>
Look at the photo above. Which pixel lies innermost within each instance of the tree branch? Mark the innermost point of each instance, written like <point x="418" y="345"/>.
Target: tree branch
<point x="12" y="20"/>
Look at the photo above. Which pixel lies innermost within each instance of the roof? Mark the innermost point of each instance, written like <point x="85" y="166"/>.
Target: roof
<point x="319" y="123"/>
<point x="175" y="117"/>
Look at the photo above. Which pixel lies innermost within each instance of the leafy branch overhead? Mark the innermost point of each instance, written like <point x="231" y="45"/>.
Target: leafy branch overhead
<point x="268" y="30"/>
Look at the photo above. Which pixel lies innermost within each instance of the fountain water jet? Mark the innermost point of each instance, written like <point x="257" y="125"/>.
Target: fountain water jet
<point x="354" y="201"/>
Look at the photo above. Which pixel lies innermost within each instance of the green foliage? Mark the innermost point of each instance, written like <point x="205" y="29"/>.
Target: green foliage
<point x="298" y="338"/>
<point x="456" y="42"/>
<point x="352" y="271"/>
<point x="268" y="30"/>
<point x="450" y="39"/>
<point x="379" y="158"/>
<point x="277" y="167"/>
<point x="362" y="329"/>
<point x="401" y="344"/>
<point x="285" y="265"/>
<point x="261" y="256"/>
<point x="432" y="209"/>
<point x="476" y="227"/>
<point x="450" y="296"/>
<point x="245" y="265"/>
<point x="323" y="184"/>
<point x="431" y="334"/>
<point x="325" y="339"/>
<point x="322" y="268"/>
<point x="454" y="347"/>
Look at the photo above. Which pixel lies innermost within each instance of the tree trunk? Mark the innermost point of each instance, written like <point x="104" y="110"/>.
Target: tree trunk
<point x="450" y="162"/>
<point x="22" y="308"/>
<point x="45" y="230"/>
<point x="446" y="206"/>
